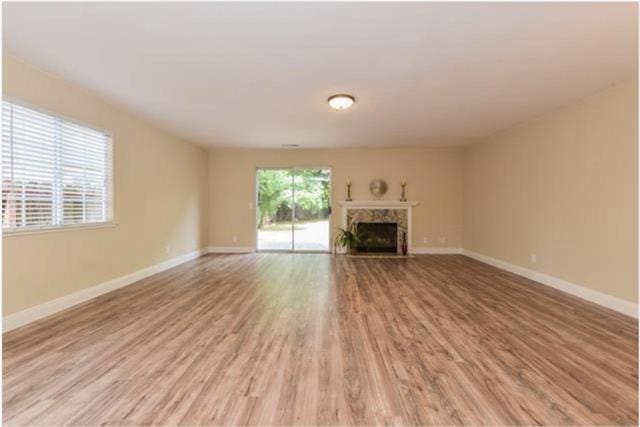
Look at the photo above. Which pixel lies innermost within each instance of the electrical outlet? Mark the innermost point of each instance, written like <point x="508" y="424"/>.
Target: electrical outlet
<point x="235" y="239"/>
<point x="533" y="258"/>
<point x="442" y="239"/>
<point x="425" y="240"/>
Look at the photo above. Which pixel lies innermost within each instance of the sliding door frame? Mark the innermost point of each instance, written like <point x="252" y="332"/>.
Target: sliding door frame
<point x="293" y="211"/>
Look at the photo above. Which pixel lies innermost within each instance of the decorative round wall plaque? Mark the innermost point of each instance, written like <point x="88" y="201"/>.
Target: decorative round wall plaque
<point x="378" y="188"/>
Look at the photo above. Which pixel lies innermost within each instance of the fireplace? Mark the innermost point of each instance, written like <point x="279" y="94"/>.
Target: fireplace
<point x="381" y="211"/>
<point x="378" y="237"/>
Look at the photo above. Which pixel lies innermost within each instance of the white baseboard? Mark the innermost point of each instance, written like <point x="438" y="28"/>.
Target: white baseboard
<point x="436" y="251"/>
<point x="422" y="251"/>
<point x="614" y="303"/>
<point x="230" y="249"/>
<point x="31" y="314"/>
<point x="249" y="249"/>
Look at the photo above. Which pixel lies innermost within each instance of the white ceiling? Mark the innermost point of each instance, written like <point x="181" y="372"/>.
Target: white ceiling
<point x="259" y="74"/>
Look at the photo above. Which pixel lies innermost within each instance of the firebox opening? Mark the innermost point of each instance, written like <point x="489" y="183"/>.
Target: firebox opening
<point x="378" y="237"/>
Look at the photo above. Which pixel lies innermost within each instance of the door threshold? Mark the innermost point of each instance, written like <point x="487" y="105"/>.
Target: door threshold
<point x="286" y="251"/>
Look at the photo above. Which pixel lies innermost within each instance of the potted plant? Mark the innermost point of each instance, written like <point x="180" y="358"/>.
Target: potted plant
<point x="347" y="238"/>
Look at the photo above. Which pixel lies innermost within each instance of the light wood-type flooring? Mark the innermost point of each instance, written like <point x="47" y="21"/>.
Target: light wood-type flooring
<point x="314" y="339"/>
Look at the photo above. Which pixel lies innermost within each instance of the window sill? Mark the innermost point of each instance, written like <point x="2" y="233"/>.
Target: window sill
<point x="27" y="232"/>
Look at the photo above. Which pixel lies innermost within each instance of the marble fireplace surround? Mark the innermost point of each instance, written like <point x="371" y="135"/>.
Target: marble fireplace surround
<point x="381" y="211"/>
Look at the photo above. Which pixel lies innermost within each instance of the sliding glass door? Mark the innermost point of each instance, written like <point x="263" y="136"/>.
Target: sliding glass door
<point x="274" y="214"/>
<point x="311" y="209"/>
<point x="293" y="209"/>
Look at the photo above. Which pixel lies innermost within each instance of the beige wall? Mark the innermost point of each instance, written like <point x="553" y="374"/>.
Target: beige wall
<point x="562" y="187"/>
<point x="160" y="199"/>
<point x="434" y="178"/>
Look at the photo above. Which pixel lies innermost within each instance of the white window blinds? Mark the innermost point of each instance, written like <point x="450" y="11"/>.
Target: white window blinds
<point x="55" y="173"/>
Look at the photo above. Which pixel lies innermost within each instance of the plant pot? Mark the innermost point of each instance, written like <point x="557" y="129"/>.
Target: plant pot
<point x="352" y="250"/>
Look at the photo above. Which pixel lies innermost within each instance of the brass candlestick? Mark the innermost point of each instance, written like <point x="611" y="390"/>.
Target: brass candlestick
<point x="348" y="191"/>
<point x="403" y="197"/>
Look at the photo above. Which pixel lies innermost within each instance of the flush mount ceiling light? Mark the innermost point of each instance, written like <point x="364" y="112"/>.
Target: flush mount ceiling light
<point x="341" y="101"/>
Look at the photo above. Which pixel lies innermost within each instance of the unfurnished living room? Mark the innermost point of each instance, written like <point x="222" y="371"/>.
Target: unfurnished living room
<point x="282" y="213"/>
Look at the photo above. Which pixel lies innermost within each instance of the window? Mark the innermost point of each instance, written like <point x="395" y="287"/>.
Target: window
<point x="55" y="173"/>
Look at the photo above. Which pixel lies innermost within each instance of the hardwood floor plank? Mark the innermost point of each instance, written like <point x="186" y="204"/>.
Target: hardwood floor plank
<point x="313" y="339"/>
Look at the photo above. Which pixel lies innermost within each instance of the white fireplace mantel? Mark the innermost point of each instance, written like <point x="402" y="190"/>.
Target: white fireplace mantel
<point x="383" y="204"/>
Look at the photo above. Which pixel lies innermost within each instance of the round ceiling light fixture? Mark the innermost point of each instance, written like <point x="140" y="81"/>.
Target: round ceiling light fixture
<point x="341" y="101"/>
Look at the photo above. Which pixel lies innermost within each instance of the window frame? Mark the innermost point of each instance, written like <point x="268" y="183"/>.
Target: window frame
<point x="48" y="228"/>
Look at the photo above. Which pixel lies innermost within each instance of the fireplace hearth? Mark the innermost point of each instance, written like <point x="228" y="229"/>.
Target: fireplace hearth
<point x="378" y="237"/>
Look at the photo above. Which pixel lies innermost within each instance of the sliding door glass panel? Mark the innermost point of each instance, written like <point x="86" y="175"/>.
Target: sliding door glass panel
<point x="275" y="209"/>
<point x="311" y="192"/>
